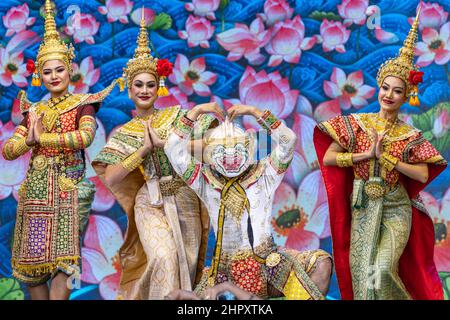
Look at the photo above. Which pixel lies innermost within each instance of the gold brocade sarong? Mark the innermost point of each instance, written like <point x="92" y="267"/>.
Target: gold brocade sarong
<point x="380" y="230"/>
<point x="170" y="232"/>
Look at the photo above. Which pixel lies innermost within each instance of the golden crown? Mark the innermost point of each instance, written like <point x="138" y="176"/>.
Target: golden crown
<point x="143" y="61"/>
<point x="52" y="46"/>
<point x="402" y="65"/>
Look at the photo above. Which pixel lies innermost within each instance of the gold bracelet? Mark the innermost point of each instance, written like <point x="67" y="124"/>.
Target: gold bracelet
<point x="387" y="161"/>
<point x="21" y="146"/>
<point x="344" y="159"/>
<point x="132" y="162"/>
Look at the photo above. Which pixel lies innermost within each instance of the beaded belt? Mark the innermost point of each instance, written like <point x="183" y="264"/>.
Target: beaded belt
<point x="374" y="188"/>
<point x="40" y="162"/>
<point x="171" y="187"/>
<point x="267" y="250"/>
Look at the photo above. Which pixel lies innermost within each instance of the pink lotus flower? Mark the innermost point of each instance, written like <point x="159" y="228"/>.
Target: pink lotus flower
<point x="149" y="16"/>
<point x="83" y="27"/>
<point x="435" y="46"/>
<point x="12" y="69"/>
<point x="117" y="10"/>
<point x="432" y="15"/>
<point x="353" y="11"/>
<point x="198" y="31"/>
<point x="203" y="8"/>
<point x="84" y="76"/>
<point x="288" y="42"/>
<point x="100" y="255"/>
<point x="192" y="77"/>
<point x="276" y="10"/>
<point x="13" y="173"/>
<point x="245" y="41"/>
<point x="441" y="124"/>
<point x="301" y="219"/>
<point x="266" y="91"/>
<point x="175" y="97"/>
<point x="103" y="199"/>
<point x="17" y="20"/>
<point x="440" y="213"/>
<point x="333" y="36"/>
<point x="350" y="91"/>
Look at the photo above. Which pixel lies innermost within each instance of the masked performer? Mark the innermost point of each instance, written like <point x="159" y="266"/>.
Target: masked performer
<point x="167" y="225"/>
<point x="374" y="166"/>
<point x="238" y="193"/>
<point x="55" y="198"/>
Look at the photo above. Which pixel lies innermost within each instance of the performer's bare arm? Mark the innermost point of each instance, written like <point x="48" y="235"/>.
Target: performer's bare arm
<point x="329" y="159"/>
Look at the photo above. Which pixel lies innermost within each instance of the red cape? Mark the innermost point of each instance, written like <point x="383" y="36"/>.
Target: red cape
<point x="416" y="268"/>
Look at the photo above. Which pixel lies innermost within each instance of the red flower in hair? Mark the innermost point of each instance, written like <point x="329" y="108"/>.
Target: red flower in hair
<point x="31" y="67"/>
<point x="164" y="68"/>
<point x="415" y="77"/>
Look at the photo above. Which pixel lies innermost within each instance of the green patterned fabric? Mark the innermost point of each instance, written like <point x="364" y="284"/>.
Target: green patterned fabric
<point x="379" y="234"/>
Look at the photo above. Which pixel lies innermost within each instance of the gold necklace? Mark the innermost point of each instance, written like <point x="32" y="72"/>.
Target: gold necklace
<point x="54" y="101"/>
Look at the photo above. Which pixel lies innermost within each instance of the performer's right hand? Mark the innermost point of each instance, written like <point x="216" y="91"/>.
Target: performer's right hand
<point x="30" y="140"/>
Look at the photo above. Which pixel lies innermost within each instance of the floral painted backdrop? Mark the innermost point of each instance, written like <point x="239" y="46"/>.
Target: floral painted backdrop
<point x="305" y="60"/>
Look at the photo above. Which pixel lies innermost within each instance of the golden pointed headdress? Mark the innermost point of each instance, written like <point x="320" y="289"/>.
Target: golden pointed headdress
<point x="52" y="46"/>
<point x="144" y="62"/>
<point x="403" y="66"/>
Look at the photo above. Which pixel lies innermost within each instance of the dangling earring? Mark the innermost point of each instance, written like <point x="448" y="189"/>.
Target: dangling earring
<point x="36" y="80"/>
<point x="162" y="90"/>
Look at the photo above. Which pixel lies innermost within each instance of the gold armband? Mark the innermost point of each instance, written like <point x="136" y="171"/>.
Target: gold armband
<point x="344" y="159"/>
<point x="387" y="161"/>
<point x="49" y="140"/>
<point x="132" y="162"/>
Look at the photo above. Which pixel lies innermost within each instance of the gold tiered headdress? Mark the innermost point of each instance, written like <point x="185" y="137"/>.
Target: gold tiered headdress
<point x="52" y="46"/>
<point x="403" y="66"/>
<point x="144" y="62"/>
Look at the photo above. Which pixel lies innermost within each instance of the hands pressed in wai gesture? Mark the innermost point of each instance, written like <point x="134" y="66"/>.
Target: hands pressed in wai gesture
<point x="35" y="130"/>
<point x="151" y="138"/>
<point x="376" y="149"/>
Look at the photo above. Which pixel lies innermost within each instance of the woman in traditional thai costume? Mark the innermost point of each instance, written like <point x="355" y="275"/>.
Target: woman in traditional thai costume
<point x="374" y="166"/>
<point x="55" y="198"/>
<point x="167" y="231"/>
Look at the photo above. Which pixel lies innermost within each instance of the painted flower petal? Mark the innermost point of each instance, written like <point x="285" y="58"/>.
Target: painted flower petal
<point x="327" y="110"/>
<point x="109" y="286"/>
<point x="302" y="240"/>
<point x="319" y="223"/>
<point x="103" y="235"/>
<point x="95" y="266"/>
<point x="385" y="36"/>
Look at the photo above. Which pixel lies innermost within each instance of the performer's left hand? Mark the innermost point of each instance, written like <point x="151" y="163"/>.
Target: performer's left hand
<point x="379" y="145"/>
<point x="242" y="109"/>
<point x="38" y="128"/>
